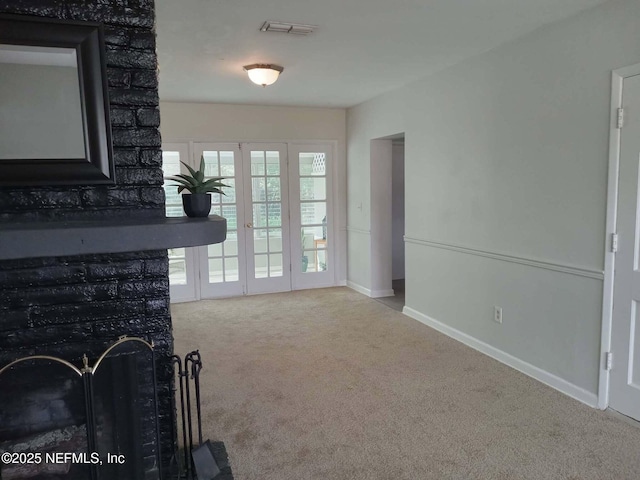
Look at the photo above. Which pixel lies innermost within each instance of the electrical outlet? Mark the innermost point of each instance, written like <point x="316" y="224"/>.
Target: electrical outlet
<point x="497" y="314"/>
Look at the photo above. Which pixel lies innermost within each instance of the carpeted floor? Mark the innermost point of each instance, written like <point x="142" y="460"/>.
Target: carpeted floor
<point x="329" y="384"/>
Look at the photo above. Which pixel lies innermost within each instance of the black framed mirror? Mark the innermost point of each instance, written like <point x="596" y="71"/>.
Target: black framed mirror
<point x="54" y="107"/>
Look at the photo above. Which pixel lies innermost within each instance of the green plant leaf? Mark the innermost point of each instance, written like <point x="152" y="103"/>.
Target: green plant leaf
<point x="183" y="179"/>
<point x="196" y="183"/>
<point x="191" y="170"/>
<point x="216" y="182"/>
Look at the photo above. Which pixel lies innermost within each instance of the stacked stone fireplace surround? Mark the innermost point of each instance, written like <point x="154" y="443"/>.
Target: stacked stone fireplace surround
<point x="71" y="306"/>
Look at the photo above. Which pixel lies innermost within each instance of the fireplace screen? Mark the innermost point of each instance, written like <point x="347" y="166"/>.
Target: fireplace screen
<point x="58" y="421"/>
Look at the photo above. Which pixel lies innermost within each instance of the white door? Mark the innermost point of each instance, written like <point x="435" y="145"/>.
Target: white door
<point x="312" y="239"/>
<point x="221" y="265"/>
<point x="183" y="279"/>
<point x="266" y="218"/>
<point x="625" y="334"/>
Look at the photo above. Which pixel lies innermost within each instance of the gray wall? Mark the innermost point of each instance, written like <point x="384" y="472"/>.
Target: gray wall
<point x="506" y="176"/>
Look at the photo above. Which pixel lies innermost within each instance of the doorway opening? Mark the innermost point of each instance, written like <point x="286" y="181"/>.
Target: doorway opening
<point x="397" y="221"/>
<point x="388" y="220"/>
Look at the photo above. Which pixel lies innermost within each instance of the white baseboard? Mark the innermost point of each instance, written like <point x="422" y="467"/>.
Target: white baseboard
<point x="578" y="393"/>
<point x="359" y="288"/>
<point x="368" y="292"/>
<point x="382" y="293"/>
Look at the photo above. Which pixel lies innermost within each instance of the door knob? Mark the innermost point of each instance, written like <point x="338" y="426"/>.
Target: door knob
<point x="249" y="225"/>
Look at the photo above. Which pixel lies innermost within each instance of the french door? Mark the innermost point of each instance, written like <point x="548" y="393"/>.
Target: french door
<point x="266" y="203"/>
<point x="311" y="216"/>
<point x="279" y="220"/>
<point x="221" y="266"/>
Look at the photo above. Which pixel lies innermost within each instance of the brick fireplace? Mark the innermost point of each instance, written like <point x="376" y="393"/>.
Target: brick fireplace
<point x="72" y="305"/>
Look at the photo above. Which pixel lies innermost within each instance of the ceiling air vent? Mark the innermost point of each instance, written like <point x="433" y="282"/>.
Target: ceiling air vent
<point x="285" y="27"/>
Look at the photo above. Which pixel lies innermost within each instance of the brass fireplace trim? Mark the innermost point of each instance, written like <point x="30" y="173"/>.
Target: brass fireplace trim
<point x="86" y="368"/>
<point x="120" y="341"/>
<point x="42" y="357"/>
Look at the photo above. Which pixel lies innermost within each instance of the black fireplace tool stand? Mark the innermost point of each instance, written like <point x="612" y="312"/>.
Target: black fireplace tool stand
<point x="208" y="460"/>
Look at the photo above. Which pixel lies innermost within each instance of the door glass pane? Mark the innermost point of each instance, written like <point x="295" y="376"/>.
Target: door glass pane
<point x="275" y="214"/>
<point x="321" y="260"/>
<point x="273" y="189"/>
<point x="257" y="163"/>
<point x="230" y="192"/>
<point x="215" y="250"/>
<point x="273" y="163"/>
<point x="313" y="188"/>
<point x="318" y="233"/>
<point x="170" y="167"/>
<point x="231" y="272"/>
<point x="312" y="163"/>
<point x="275" y="240"/>
<point x="227" y="167"/>
<point x="258" y="189"/>
<point x="177" y="266"/>
<point x="306" y="238"/>
<point x="275" y="265"/>
<point x="230" y="245"/>
<point x="230" y="213"/>
<point x="216" y="273"/>
<point x="306" y="163"/>
<point x="259" y="215"/>
<point x="261" y="269"/>
<point x="305" y="261"/>
<point x="260" y="241"/>
<point x="313" y="213"/>
<point x="211" y="164"/>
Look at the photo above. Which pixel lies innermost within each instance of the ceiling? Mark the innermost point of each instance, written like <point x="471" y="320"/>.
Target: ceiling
<point x="361" y="48"/>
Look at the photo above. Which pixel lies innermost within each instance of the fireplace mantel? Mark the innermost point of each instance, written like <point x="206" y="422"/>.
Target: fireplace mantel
<point x="63" y="238"/>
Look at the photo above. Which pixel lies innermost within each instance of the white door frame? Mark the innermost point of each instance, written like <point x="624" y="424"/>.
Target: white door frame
<point x="617" y="79"/>
<point x="300" y="281"/>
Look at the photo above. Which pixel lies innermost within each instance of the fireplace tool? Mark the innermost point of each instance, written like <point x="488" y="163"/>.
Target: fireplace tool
<point x="199" y="462"/>
<point x="176" y="364"/>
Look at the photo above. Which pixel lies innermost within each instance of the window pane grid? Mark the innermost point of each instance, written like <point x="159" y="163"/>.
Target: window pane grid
<point x="223" y="261"/>
<point x="313" y="199"/>
<point x="173" y="200"/>
<point x="266" y="197"/>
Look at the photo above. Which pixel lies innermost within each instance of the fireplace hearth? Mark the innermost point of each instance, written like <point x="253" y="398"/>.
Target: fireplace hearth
<point x="93" y="422"/>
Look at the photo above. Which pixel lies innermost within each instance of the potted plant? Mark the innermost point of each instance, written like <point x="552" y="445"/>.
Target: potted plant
<point x="198" y="202"/>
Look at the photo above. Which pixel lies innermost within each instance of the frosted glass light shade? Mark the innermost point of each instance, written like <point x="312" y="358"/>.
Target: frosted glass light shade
<point x="263" y="74"/>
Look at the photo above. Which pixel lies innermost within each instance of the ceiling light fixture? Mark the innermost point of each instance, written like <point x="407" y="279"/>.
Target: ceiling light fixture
<point x="287" y="27"/>
<point x="263" y="73"/>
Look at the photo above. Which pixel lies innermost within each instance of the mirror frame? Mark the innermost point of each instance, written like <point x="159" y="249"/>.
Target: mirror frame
<point x="87" y="38"/>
